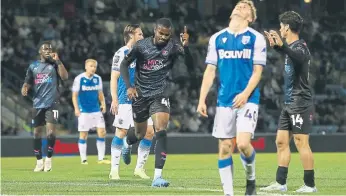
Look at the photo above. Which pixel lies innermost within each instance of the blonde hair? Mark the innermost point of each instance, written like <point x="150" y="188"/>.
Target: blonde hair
<point x="252" y="7"/>
<point x="91" y="60"/>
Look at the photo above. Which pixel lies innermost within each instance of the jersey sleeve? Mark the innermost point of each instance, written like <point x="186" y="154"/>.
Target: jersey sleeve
<point x="260" y="51"/>
<point x="212" y="53"/>
<point x="76" y="84"/>
<point x="117" y="59"/>
<point x="29" y="75"/>
<point x="132" y="55"/>
<point x="100" y="84"/>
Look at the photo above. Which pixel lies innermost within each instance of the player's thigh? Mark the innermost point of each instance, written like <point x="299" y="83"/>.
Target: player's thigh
<point x="224" y="123"/>
<point x="302" y="121"/>
<point x="283" y="138"/>
<point x="52" y="115"/>
<point x="85" y="122"/>
<point x="38" y="118"/>
<point x="246" y="122"/>
<point x="301" y="140"/>
<point x="159" y="111"/>
<point x="124" y="118"/>
<point x="99" y="120"/>
<point x="140" y="109"/>
<point x="284" y="121"/>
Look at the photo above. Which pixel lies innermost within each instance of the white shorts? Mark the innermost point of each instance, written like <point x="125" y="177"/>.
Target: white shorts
<point x="124" y="119"/>
<point x="228" y="121"/>
<point x="87" y="121"/>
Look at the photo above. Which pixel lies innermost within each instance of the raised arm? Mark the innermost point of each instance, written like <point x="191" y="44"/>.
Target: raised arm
<point x="61" y="68"/>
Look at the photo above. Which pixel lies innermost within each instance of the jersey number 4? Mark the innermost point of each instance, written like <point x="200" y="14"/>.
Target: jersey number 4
<point x="251" y="115"/>
<point x="165" y="102"/>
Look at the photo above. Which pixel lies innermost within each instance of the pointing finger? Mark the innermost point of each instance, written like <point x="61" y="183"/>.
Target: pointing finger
<point x="185" y="29"/>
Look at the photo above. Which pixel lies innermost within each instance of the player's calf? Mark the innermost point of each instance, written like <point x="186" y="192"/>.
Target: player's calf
<point x="225" y="165"/>
<point x="143" y="153"/>
<point x="101" y="145"/>
<point x="82" y="146"/>
<point x="117" y="144"/>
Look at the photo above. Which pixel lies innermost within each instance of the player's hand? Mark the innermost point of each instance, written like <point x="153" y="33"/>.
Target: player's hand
<point x="202" y="109"/>
<point x="114" y="107"/>
<point x="270" y="39"/>
<point x="77" y="112"/>
<point x="55" y="56"/>
<point x="240" y="100"/>
<point x="184" y="37"/>
<point x="25" y="90"/>
<point x="132" y="93"/>
<point x="276" y="37"/>
<point x="103" y="109"/>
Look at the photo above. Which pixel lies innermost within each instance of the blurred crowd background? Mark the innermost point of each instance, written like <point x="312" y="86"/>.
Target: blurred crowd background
<point x="81" y="29"/>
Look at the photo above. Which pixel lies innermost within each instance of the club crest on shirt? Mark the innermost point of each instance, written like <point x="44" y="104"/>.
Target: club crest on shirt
<point x="116" y="59"/>
<point x="95" y="80"/>
<point x="245" y="39"/>
<point x="164" y="52"/>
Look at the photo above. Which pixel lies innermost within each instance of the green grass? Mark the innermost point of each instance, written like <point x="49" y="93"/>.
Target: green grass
<point x="188" y="174"/>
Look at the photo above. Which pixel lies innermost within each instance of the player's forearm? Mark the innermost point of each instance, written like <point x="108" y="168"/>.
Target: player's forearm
<point x="124" y="71"/>
<point x="62" y="70"/>
<point x="75" y="102"/>
<point x="208" y="79"/>
<point x="26" y="85"/>
<point x="294" y="55"/>
<point x="254" y="80"/>
<point x="114" y="88"/>
<point x="102" y="99"/>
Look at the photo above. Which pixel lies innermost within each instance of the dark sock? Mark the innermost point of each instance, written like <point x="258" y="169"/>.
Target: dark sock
<point x="309" y="178"/>
<point x="51" y="143"/>
<point x="131" y="137"/>
<point x="281" y="175"/>
<point x="160" y="149"/>
<point x="38" y="148"/>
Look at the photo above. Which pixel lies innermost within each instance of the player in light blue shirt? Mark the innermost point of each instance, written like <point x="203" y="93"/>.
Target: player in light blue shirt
<point x="239" y="54"/>
<point x="87" y="97"/>
<point x="122" y="109"/>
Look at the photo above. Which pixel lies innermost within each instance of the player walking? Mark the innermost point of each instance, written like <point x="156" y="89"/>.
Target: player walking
<point x="154" y="57"/>
<point x="86" y="97"/>
<point x="43" y="77"/>
<point x="239" y="54"/>
<point x="296" y="115"/>
<point x="121" y="108"/>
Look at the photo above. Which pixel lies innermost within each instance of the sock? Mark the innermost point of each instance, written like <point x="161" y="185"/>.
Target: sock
<point x="281" y="175"/>
<point x="309" y="178"/>
<point x="225" y="170"/>
<point x="117" y="144"/>
<point x="249" y="165"/>
<point x="101" y="148"/>
<point x="82" y="145"/>
<point x="131" y="136"/>
<point x="160" y="152"/>
<point x="38" y="148"/>
<point x="51" y="143"/>
<point x="143" y="152"/>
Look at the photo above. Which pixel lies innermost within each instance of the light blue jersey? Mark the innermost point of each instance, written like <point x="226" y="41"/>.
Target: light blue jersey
<point x="88" y="92"/>
<point x="234" y="55"/>
<point x="117" y="59"/>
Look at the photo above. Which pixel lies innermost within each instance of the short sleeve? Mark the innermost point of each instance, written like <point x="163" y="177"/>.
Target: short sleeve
<point x="29" y="75"/>
<point x="76" y="84"/>
<point x="260" y="51"/>
<point x="212" y="53"/>
<point x="100" y="84"/>
<point x="117" y="59"/>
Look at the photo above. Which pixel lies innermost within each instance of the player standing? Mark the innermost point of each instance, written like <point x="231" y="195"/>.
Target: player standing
<point x="239" y="54"/>
<point x="154" y="57"/>
<point x="87" y="94"/>
<point x="297" y="112"/>
<point x="121" y="108"/>
<point x="43" y="77"/>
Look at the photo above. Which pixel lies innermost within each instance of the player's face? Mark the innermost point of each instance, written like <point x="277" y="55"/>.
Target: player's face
<point x="90" y="67"/>
<point x="138" y="34"/>
<point x="283" y="30"/>
<point x="162" y="35"/>
<point x="242" y="10"/>
<point x="45" y="51"/>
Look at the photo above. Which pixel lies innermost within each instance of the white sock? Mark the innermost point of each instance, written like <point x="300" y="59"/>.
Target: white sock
<point x="101" y="148"/>
<point x="143" y="152"/>
<point x="82" y="145"/>
<point x="158" y="173"/>
<point x="249" y="165"/>
<point x="225" y="170"/>
<point x="117" y="144"/>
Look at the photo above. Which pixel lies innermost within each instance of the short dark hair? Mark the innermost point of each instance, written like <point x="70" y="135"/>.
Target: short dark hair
<point x="164" y="22"/>
<point x="293" y="19"/>
<point x="129" y="29"/>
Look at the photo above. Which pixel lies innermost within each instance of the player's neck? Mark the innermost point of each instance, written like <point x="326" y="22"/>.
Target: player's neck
<point x="291" y="38"/>
<point x="129" y="44"/>
<point x="237" y="25"/>
<point x="88" y="74"/>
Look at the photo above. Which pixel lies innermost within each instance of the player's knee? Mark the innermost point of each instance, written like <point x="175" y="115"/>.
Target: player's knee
<point x="120" y="133"/>
<point x="150" y="133"/>
<point x="281" y="144"/>
<point x="83" y="135"/>
<point x="225" y="148"/>
<point x="243" y="145"/>
<point x="101" y="133"/>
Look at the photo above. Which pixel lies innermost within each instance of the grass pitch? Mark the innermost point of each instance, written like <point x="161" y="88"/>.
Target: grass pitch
<point x="188" y="175"/>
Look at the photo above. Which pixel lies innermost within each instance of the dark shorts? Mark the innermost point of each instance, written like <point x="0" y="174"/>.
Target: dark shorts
<point x="41" y="116"/>
<point x="144" y="107"/>
<point x="299" y="122"/>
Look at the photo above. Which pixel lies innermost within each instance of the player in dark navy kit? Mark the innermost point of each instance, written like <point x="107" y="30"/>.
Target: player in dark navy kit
<point x="296" y="115"/>
<point x="154" y="57"/>
<point x="42" y="77"/>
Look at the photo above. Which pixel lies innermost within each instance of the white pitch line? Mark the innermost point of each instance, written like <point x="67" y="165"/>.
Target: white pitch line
<point x="127" y="185"/>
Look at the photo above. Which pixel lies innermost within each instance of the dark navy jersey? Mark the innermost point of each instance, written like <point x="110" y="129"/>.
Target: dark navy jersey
<point x="154" y="63"/>
<point x="298" y="93"/>
<point x="43" y="78"/>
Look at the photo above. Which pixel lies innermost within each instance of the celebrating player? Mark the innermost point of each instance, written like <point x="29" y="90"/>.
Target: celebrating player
<point x="239" y="54"/>
<point x="121" y="107"/>
<point x="86" y="97"/>
<point x="43" y="77"/>
<point x="154" y="57"/>
<point x="296" y="115"/>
